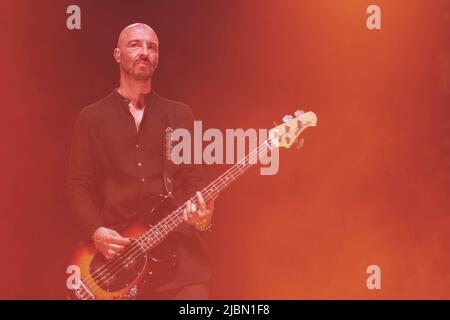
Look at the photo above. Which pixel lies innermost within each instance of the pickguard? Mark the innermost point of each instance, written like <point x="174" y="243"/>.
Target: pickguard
<point x="117" y="273"/>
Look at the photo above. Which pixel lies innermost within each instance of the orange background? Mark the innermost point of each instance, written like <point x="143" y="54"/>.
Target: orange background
<point x="370" y="186"/>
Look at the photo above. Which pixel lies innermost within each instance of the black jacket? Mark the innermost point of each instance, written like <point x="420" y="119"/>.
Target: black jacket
<point x="113" y="168"/>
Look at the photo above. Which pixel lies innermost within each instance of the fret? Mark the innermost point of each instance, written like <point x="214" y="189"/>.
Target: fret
<point x="268" y="144"/>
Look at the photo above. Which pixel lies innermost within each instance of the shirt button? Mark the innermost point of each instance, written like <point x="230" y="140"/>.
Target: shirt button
<point x="139" y="164"/>
<point x="137" y="146"/>
<point x="142" y="179"/>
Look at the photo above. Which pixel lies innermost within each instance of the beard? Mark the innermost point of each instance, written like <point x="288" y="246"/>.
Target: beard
<point x="140" y="72"/>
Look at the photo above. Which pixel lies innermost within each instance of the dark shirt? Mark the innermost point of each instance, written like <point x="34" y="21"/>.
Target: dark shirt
<point x="114" y="167"/>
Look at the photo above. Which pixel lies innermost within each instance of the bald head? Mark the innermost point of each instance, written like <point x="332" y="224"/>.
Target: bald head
<point x="137" y="52"/>
<point x="132" y="29"/>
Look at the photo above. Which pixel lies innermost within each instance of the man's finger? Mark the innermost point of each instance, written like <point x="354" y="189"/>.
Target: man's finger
<point x="201" y="201"/>
<point x="193" y="208"/>
<point x="120" y="240"/>
<point x="109" y="254"/>
<point x="114" y="247"/>
<point x="188" y="206"/>
<point x="187" y="215"/>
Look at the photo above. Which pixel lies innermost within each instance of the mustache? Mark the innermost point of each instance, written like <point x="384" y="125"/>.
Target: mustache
<point x="142" y="60"/>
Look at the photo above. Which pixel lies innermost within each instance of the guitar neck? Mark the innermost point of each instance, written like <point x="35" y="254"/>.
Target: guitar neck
<point x="283" y="135"/>
<point x="163" y="228"/>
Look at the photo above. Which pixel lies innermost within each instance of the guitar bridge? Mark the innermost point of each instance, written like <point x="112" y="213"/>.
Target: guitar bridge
<point x="83" y="292"/>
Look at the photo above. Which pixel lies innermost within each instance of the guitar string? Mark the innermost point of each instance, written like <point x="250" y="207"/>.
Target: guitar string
<point x="136" y="254"/>
<point x="152" y="239"/>
<point x="236" y="169"/>
<point x="180" y="209"/>
<point x="176" y="213"/>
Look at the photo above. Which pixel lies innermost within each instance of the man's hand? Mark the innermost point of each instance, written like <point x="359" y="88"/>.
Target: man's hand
<point x="109" y="242"/>
<point x="200" y="217"/>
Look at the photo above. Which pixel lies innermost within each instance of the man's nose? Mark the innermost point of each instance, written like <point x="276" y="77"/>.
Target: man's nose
<point x="144" y="51"/>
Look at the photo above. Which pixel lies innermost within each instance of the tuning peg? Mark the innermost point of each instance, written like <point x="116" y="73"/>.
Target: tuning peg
<point x="298" y="113"/>
<point x="287" y="118"/>
<point x="288" y="139"/>
<point x="300" y="142"/>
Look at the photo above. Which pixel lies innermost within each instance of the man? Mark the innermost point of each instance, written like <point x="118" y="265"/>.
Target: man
<point x="118" y="160"/>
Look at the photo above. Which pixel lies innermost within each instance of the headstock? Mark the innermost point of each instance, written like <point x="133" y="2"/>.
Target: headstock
<point x="288" y="133"/>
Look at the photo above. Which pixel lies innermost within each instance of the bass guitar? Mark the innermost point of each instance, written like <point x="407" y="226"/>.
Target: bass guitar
<point x="121" y="276"/>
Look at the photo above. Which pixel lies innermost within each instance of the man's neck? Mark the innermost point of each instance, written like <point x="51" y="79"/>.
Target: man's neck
<point x="136" y="91"/>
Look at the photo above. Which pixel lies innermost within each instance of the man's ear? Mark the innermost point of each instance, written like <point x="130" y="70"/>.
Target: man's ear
<point x="116" y="54"/>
